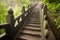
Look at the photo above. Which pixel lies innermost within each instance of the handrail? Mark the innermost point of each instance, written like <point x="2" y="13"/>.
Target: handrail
<point x="43" y="22"/>
<point x="25" y="12"/>
<point x="51" y="23"/>
<point x="24" y="16"/>
<point x="11" y="30"/>
<point x="3" y="25"/>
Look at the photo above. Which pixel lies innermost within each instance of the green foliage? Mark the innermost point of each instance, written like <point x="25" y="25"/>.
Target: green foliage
<point x="57" y="20"/>
<point x="2" y="12"/>
<point x="54" y="1"/>
<point x="17" y="11"/>
<point x="19" y="5"/>
<point x="2" y="31"/>
<point x="53" y="6"/>
<point x="22" y="2"/>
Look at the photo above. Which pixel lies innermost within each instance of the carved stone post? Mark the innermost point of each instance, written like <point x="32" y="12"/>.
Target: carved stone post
<point x="23" y="11"/>
<point x="28" y="10"/>
<point x="10" y="20"/>
<point x="45" y="10"/>
<point x="10" y="17"/>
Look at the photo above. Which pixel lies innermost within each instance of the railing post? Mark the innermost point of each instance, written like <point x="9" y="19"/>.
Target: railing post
<point x="10" y="17"/>
<point x="10" y="20"/>
<point x="45" y="10"/>
<point x="23" y="11"/>
<point x="28" y="10"/>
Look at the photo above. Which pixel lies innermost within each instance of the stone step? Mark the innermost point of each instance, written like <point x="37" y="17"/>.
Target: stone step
<point x="29" y="37"/>
<point x="33" y="33"/>
<point x="33" y="22"/>
<point x="35" y="19"/>
<point x="35" y="15"/>
<point x="33" y="25"/>
<point x="32" y="28"/>
<point x="20" y="38"/>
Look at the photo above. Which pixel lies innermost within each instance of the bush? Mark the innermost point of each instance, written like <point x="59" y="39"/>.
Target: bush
<point x="3" y="11"/>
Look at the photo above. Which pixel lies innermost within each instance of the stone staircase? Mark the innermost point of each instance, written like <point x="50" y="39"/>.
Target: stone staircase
<point x="32" y="29"/>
